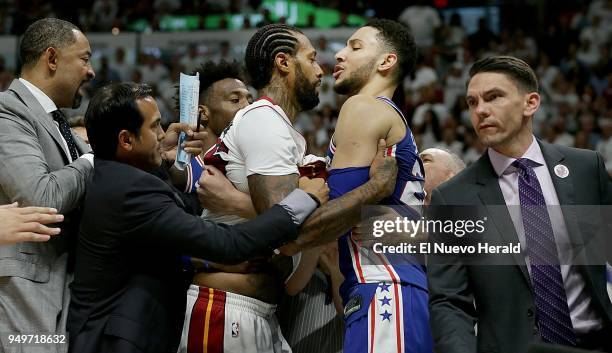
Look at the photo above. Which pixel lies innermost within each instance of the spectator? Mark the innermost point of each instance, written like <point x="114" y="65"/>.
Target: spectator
<point x="120" y="64"/>
<point x="422" y="20"/>
<point x="106" y="74"/>
<point x="103" y="15"/>
<point x="224" y="53"/>
<point x="482" y="37"/>
<point x="152" y="69"/>
<point x="449" y="141"/>
<point x="192" y="60"/>
<point x="605" y="144"/>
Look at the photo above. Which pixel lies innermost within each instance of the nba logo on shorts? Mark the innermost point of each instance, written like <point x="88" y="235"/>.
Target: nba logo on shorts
<point x="235" y="328"/>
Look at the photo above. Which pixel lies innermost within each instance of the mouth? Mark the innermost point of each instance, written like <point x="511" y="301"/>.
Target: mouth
<point x="337" y="71"/>
<point x="484" y="126"/>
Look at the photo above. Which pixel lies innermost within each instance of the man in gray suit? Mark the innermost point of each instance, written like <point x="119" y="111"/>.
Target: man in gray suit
<point x="43" y="164"/>
<point x="541" y="294"/>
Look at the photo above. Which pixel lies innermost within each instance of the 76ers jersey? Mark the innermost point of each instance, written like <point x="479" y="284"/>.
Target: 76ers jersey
<point x="361" y="264"/>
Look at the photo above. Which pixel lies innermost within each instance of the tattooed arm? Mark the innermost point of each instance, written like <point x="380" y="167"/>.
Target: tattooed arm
<point x="267" y="190"/>
<point x="339" y="215"/>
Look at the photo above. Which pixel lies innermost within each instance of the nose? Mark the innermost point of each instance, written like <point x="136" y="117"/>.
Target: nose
<point x="481" y="109"/>
<point x="340" y="55"/>
<point x="161" y="134"/>
<point x="319" y="71"/>
<point x="91" y="74"/>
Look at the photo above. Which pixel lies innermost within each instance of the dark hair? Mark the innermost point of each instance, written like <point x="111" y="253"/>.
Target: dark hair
<point x="211" y="72"/>
<point x="268" y="41"/>
<point x="43" y="34"/>
<point x="397" y="38"/>
<point x="516" y="69"/>
<point x="112" y="109"/>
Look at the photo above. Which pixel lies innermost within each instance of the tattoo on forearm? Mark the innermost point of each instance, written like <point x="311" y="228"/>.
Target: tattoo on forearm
<point x="336" y="217"/>
<point x="267" y="190"/>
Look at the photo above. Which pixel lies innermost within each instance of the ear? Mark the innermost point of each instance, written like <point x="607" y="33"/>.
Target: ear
<point x="51" y="56"/>
<point x="204" y="113"/>
<point x="388" y="62"/>
<point x="126" y="140"/>
<point x="532" y="103"/>
<point x="282" y="62"/>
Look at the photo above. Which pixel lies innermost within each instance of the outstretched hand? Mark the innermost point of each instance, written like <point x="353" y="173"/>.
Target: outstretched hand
<point x="21" y="224"/>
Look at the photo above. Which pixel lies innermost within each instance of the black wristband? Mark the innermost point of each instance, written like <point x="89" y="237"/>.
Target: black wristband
<point x="312" y="196"/>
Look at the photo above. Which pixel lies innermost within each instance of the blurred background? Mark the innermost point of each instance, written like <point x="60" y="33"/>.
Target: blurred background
<point x="152" y="41"/>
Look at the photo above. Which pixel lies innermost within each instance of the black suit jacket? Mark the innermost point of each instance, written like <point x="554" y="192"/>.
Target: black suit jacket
<point x="497" y="297"/>
<point x="128" y="294"/>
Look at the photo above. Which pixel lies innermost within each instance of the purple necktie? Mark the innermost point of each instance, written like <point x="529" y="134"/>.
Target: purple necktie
<point x="64" y="129"/>
<point x="549" y="293"/>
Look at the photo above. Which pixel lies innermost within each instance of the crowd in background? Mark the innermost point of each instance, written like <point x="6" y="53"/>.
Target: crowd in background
<point x="571" y="55"/>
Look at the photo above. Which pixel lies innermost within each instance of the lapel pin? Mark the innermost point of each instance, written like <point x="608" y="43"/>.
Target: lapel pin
<point x="561" y="171"/>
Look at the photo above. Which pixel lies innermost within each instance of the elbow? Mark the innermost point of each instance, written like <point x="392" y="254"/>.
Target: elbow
<point x="42" y="200"/>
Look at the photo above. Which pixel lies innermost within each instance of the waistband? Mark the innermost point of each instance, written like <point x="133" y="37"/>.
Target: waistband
<point x="233" y="300"/>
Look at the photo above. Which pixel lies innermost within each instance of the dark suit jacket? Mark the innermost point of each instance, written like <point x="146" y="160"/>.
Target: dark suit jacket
<point x="502" y="295"/>
<point x="128" y="294"/>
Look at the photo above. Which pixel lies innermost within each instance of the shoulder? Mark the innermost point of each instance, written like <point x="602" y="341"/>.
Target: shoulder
<point x="462" y="184"/>
<point x="11" y="104"/>
<point x="124" y="178"/>
<point x="365" y="113"/>
<point x="259" y="108"/>
<point x="362" y="104"/>
<point x="461" y="180"/>
<point x="577" y="157"/>
<point x="257" y="115"/>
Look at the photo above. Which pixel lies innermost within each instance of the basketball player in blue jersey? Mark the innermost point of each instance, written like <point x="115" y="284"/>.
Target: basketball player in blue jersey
<point x="385" y="295"/>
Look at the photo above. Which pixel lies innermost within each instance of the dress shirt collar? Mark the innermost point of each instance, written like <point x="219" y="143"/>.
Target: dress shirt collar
<point x="503" y="164"/>
<point x="40" y="96"/>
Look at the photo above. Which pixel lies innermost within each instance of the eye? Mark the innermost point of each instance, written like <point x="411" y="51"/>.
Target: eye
<point x="493" y="96"/>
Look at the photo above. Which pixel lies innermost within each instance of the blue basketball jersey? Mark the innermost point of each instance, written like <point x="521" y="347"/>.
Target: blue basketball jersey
<point x="361" y="264"/>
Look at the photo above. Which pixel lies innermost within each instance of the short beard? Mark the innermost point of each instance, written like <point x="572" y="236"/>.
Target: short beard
<point x="306" y="92"/>
<point x="355" y="82"/>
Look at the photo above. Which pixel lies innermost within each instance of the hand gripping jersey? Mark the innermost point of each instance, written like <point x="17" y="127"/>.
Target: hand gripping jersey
<point x="360" y="264"/>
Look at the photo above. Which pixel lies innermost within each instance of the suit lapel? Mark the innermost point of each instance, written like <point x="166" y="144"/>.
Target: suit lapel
<point x="565" y="193"/>
<point x="492" y="198"/>
<point x="24" y="94"/>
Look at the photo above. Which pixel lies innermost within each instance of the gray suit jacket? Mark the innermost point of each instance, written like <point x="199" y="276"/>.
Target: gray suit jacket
<point x="499" y="297"/>
<point x="35" y="170"/>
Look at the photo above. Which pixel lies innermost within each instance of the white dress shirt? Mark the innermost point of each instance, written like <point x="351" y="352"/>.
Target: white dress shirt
<point x="49" y="106"/>
<point x="584" y="318"/>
